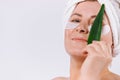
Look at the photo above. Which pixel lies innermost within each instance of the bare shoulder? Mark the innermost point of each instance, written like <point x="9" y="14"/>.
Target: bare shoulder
<point x="111" y="76"/>
<point x="60" y="78"/>
<point x="116" y="76"/>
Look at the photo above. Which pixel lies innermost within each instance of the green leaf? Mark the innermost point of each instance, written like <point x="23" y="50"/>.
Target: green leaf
<point x="95" y="32"/>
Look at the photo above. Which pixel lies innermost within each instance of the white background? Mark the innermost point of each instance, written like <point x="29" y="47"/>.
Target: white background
<point x="31" y="40"/>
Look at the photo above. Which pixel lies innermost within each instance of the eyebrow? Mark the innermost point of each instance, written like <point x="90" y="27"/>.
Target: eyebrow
<point x="93" y="16"/>
<point x="76" y="14"/>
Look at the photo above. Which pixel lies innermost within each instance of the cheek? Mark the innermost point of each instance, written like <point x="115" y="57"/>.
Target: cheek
<point x="73" y="47"/>
<point x="107" y="38"/>
<point x="67" y="42"/>
<point x="67" y="36"/>
<point x="68" y="33"/>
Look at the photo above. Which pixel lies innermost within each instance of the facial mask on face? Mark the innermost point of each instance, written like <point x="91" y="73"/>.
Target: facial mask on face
<point x="105" y="29"/>
<point x="72" y="25"/>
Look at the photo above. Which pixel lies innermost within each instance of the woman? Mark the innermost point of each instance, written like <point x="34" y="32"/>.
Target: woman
<point x="90" y="62"/>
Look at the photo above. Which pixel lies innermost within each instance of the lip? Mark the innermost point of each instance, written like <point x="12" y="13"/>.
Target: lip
<point x="79" y="39"/>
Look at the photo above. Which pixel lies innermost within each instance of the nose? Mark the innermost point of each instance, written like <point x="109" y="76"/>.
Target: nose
<point x="82" y="29"/>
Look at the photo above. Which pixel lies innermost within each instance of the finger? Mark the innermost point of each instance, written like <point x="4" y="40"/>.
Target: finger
<point x="104" y="47"/>
<point x="91" y="50"/>
<point x="98" y="48"/>
<point x="109" y="55"/>
<point x="109" y="50"/>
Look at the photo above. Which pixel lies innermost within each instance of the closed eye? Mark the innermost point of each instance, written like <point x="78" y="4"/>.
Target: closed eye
<point x="75" y="20"/>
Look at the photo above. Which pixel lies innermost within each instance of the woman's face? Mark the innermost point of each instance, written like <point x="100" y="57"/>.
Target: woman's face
<point x="84" y="14"/>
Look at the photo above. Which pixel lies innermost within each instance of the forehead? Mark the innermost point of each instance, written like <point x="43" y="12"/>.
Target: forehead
<point x="91" y="7"/>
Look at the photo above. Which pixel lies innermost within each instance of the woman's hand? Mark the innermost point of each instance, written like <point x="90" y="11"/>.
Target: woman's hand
<point x="98" y="58"/>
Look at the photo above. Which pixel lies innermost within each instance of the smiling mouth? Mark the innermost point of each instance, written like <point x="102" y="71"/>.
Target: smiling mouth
<point x="79" y="39"/>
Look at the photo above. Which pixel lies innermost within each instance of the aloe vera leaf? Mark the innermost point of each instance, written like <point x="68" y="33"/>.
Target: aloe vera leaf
<point x="95" y="32"/>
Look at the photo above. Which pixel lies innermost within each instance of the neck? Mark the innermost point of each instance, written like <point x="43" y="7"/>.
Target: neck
<point x="75" y="66"/>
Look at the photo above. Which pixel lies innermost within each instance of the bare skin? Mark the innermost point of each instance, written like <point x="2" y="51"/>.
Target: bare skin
<point x="88" y="62"/>
<point x="109" y="76"/>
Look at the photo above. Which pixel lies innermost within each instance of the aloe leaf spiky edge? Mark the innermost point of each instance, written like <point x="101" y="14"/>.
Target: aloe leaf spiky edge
<point x="95" y="32"/>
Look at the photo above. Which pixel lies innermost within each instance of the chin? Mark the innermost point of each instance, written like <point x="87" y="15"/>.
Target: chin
<point x="76" y="52"/>
<point x="75" y="48"/>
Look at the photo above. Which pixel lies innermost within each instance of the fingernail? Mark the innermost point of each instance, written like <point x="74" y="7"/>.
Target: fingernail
<point x="94" y="41"/>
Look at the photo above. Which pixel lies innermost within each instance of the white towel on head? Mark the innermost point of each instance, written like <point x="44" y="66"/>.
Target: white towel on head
<point x="112" y="9"/>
